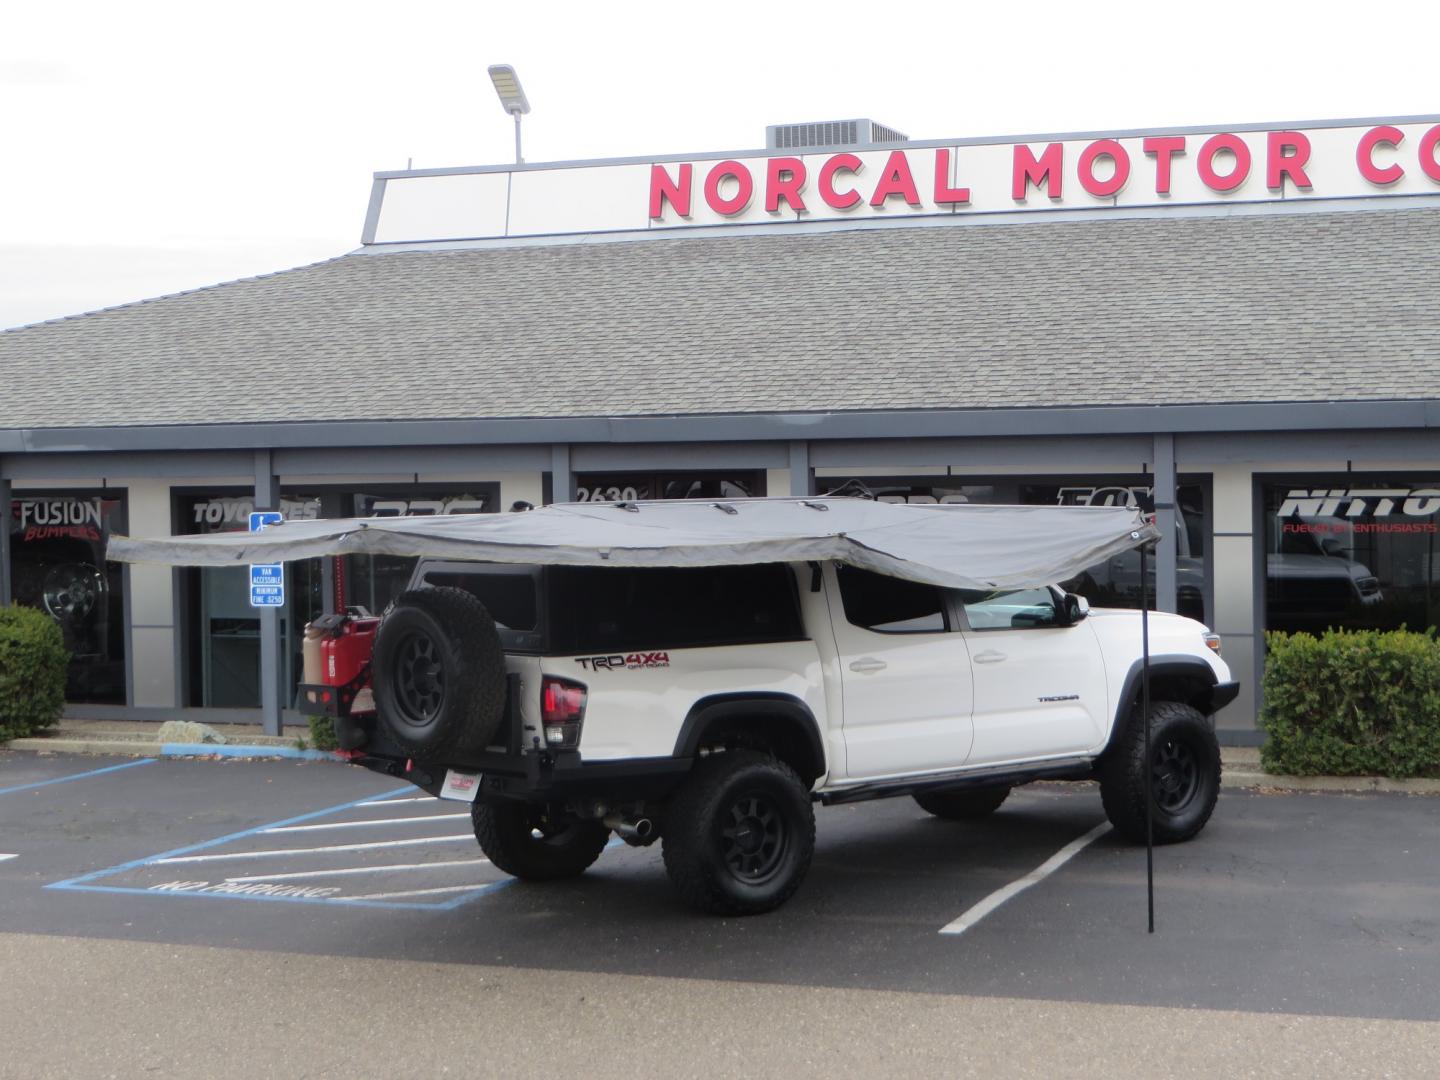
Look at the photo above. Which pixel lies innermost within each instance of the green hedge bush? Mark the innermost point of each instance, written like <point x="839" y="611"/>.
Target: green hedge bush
<point x="33" y="659"/>
<point x="1349" y="703"/>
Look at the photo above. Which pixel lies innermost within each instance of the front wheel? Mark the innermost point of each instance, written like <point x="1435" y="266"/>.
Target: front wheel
<point x="536" y="842"/>
<point x="739" y="835"/>
<point x="1182" y="777"/>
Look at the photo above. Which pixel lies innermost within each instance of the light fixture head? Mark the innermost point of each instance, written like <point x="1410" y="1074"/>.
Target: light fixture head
<point x="507" y="85"/>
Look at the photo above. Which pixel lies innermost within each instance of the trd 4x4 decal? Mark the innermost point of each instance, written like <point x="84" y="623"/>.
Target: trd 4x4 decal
<point x="617" y="662"/>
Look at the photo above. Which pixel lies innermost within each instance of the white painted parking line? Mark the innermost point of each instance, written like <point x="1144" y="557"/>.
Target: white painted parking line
<point x="4" y="857"/>
<point x="479" y="860"/>
<point x="423" y="892"/>
<point x="360" y="824"/>
<point x="392" y="802"/>
<point x="1015" y="888"/>
<point x="315" y="850"/>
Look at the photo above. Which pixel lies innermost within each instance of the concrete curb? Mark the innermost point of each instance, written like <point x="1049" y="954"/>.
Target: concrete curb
<point x="1357" y="785"/>
<point x="136" y="748"/>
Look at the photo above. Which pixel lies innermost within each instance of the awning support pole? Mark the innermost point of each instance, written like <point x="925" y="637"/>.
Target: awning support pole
<point x="1147" y="777"/>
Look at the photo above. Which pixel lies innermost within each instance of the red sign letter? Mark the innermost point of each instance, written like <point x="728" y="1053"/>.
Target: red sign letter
<point x="741" y="198"/>
<point x="1288" y="151"/>
<point x="1103" y="189"/>
<point x="1429" y="163"/>
<point x="1163" y="148"/>
<point x="784" y="179"/>
<point x="663" y="189"/>
<point x="896" y="180"/>
<point x="1205" y="165"/>
<point x="1365" y="155"/>
<point x="839" y="200"/>
<point x="1029" y="171"/>
<point x="945" y="195"/>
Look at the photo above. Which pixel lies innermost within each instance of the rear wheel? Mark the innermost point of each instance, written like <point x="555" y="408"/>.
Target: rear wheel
<point x="739" y="835"/>
<point x="439" y="673"/>
<point x="966" y="804"/>
<point x="1182" y="777"/>
<point x="537" y="842"/>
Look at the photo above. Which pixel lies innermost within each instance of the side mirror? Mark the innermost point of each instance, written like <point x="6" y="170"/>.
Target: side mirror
<point x="1076" y="608"/>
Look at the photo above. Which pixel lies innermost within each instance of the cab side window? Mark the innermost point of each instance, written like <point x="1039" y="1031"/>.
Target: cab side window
<point x="890" y="605"/>
<point x="1016" y="610"/>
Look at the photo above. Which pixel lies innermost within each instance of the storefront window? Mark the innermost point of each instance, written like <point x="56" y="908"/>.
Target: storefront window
<point x="224" y="641"/>
<point x="57" y="562"/>
<point x="373" y="581"/>
<point x="1355" y="552"/>
<point x="628" y="487"/>
<point x="1115" y="583"/>
<point x="223" y="667"/>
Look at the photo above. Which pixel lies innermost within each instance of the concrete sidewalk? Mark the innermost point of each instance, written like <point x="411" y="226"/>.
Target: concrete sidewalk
<point x="1241" y="764"/>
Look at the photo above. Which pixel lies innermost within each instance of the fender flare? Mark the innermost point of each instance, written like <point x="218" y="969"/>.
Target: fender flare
<point x="1214" y="696"/>
<point x="718" y="708"/>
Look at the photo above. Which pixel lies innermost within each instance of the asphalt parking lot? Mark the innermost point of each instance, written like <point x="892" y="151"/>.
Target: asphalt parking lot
<point x="1288" y="903"/>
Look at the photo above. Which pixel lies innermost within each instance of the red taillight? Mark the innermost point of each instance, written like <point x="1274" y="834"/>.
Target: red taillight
<point x="562" y="710"/>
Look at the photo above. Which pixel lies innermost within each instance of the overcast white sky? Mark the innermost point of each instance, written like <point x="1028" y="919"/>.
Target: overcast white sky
<point x="150" y="147"/>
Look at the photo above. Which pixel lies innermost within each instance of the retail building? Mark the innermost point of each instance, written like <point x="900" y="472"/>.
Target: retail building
<point x="1240" y="324"/>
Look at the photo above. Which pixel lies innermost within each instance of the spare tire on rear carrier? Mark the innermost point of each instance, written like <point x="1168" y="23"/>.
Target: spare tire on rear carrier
<point x="438" y="671"/>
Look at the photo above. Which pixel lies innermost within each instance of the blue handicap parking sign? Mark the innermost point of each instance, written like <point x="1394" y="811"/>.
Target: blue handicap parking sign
<point x="267" y="580"/>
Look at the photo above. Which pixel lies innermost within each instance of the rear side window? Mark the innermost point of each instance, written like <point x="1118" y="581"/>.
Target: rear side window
<point x="509" y="597"/>
<point x="600" y="609"/>
<point x="890" y="605"/>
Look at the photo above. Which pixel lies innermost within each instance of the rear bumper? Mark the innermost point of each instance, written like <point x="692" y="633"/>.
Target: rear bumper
<point x="543" y="776"/>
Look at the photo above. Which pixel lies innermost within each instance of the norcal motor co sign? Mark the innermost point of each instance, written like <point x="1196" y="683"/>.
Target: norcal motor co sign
<point x="1337" y="160"/>
<point x="1103" y="169"/>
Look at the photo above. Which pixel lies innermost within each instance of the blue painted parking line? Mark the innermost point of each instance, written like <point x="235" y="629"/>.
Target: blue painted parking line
<point x="401" y="894"/>
<point x="77" y="776"/>
<point x="244" y="751"/>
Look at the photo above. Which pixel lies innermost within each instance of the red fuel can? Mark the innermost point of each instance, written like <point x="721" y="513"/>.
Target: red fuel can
<point x="346" y="650"/>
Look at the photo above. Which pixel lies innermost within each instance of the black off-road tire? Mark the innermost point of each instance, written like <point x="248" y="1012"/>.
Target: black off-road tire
<point x="527" y="842"/>
<point x="739" y="835"/>
<point x="1182" y="777"/>
<point x="439" y="674"/>
<point x="965" y="804"/>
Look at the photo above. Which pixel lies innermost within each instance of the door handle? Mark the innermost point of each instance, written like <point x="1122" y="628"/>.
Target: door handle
<point x="868" y="665"/>
<point x="989" y="656"/>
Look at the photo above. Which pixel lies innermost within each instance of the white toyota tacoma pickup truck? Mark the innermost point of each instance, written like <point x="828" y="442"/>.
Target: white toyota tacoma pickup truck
<point x="710" y="707"/>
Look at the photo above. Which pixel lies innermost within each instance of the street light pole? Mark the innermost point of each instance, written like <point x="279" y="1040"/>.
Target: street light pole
<point x="512" y="98"/>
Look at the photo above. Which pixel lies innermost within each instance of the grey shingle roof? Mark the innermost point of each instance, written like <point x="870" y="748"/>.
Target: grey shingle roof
<point x="1177" y="310"/>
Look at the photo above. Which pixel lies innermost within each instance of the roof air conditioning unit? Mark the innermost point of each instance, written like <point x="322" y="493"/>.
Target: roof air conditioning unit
<point x="831" y="133"/>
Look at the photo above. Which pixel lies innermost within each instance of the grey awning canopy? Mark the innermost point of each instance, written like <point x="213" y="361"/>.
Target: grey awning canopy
<point x="959" y="546"/>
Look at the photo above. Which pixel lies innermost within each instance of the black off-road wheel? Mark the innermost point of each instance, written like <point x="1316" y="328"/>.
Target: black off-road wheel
<point x="739" y="836"/>
<point x="439" y="674"/>
<point x="537" y="842"/>
<point x="1182" y="777"/>
<point x="966" y="804"/>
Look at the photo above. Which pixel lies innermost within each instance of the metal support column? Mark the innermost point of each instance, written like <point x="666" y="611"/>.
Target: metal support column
<point x="267" y="497"/>
<point x="5" y="520"/>
<point x="802" y="479"/>
<point x="1166" y="550"/>
<point x="562" y="480"/>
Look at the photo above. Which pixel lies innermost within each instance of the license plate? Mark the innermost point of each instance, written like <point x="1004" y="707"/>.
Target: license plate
<point x="460" y="786"/>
